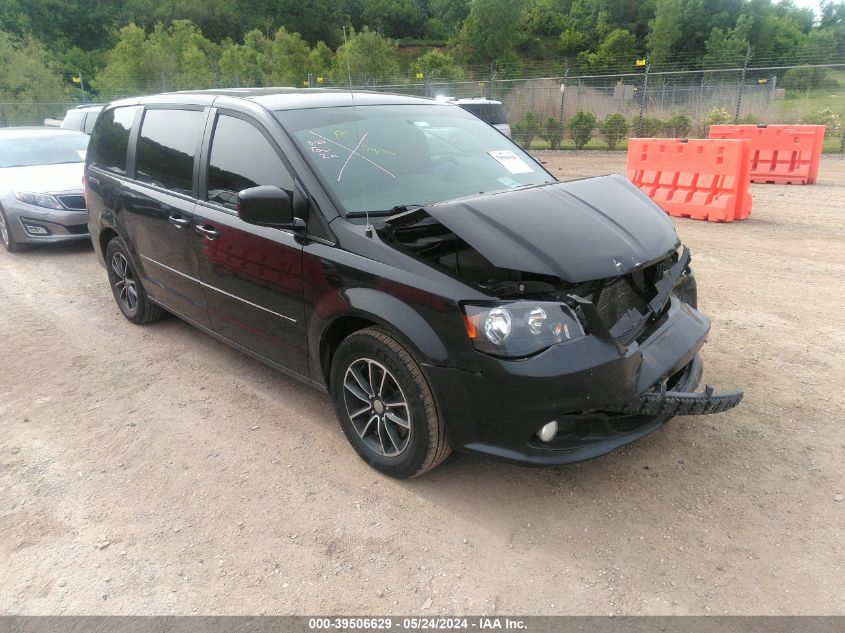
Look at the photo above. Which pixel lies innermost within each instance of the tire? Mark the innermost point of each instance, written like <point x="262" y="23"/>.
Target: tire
<point x="6" y="238"/>
<point x="126" y="286"/>
<point x="376" y="433"/>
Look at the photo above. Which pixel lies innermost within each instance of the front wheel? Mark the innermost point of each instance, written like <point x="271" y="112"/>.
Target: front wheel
<point x="385" y="406"/>
<point x="6" y="237"/>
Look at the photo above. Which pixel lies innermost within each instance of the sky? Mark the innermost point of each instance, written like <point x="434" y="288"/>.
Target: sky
<point x="808" y="4"/>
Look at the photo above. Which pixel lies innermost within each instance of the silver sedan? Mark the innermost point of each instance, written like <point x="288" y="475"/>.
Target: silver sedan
<point x="41" y="197"/>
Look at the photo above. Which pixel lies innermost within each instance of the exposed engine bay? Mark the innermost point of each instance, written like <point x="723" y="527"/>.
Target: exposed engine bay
<point x="624" y="303"/>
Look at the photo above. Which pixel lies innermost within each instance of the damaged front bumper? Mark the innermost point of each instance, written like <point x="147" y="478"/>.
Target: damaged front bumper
<point x="672" y="403"/>
<point x="602" y="395"/>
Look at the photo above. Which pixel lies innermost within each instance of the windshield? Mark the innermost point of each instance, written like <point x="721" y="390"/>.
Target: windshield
<point x="384" y="157"/>
<point x="42" y="150"/>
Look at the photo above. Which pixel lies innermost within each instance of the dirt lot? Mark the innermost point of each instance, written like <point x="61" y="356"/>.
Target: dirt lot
<point x="154" y="470"/>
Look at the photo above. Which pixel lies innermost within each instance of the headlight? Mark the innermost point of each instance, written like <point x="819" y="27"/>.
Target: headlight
<point x="520" y="328"/>
<point x="39" y="199"/>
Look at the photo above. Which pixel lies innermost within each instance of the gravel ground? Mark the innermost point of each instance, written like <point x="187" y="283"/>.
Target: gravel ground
<point x="155" y="470"/>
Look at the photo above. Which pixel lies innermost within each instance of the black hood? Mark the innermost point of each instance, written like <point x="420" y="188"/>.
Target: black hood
<point x="577" y="231"/>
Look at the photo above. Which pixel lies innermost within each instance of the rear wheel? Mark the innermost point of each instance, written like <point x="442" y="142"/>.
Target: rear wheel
<point x="126" y="286"/>
<point x="6" y="238"/>
<point x="385" y="406"/>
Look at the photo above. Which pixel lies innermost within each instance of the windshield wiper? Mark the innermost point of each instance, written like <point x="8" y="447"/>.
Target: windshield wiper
<point x="399" y="208"/>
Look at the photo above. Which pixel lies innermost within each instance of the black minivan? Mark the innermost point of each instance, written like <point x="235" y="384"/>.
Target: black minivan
<point x="406" y="257"/>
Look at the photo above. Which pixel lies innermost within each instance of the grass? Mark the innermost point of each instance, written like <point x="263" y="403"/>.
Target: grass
<point x="797" y="104"/>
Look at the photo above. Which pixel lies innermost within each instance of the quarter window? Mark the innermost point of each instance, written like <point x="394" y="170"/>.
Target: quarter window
<point x="90" y="120"/>
<point x="241" y="157"/>
<point x="166" y="148"/>
<point x="108" y="146"/>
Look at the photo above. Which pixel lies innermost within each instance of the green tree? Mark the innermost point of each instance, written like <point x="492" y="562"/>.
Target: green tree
<point x="247" y="64"/>
<point x="288" y="58"/>
<point x="817" y="47"/>
<point x="545" y="17"/>
<point x="617" y="50"/>
<point x="174" y="58"/>
<point x="128" y="69"/>
<point x="446" y="17"/>
<point x="314" y="20"/>
<point x="727" y="48"/>
<point x="320" y="60"/>
<point x="436" y="65"/>
<point x="491" y="31"/>
<point x="29" y="81"/>
<point x="368" y="56"/>
<point x="665" y="31"/>
<point x="572" y="42"/>
<point x="394" y="18"/>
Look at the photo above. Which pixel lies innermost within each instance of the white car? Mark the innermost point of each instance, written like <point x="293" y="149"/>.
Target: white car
<point x="82" y="118"/>
<point x="488" y="110"/>
<point x="41" y="197"/>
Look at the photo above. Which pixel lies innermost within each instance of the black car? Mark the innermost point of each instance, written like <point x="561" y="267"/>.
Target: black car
<point x="403" y="255"/>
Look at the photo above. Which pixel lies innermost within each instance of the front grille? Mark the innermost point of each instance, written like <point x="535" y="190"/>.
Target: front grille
<point x="77" y="229"/>
<point x="73" y="202"/>
<point x="616" y="298"/>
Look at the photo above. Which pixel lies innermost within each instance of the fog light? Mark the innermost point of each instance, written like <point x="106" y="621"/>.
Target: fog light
<point x="548" y="432"/>
<point x="35" y="229"/>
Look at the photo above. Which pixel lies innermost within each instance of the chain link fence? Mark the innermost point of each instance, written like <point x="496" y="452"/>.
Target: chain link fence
<point x="652" y="103"/>
<point x="664" y="103"/>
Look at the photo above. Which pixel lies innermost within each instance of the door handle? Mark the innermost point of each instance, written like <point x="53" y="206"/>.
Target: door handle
<point x="179" y="223"/>
<point x="208" y="232"/>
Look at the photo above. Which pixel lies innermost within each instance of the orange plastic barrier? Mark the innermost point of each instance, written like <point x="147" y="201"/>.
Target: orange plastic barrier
<point x="702" y="179"/>
<point x="780" y="154"/>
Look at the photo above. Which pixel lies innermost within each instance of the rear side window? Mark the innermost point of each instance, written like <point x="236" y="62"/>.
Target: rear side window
<point x="493" y="113"/>
<point x="166" y="148"/>
<point x="241" y="157"/>
<point x="73" y="120"/>
<point x="107" y="149"/>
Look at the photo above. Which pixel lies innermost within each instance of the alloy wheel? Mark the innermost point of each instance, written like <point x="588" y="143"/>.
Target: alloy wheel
<point x="377" y="407"/>
<point x="124" y="282"/>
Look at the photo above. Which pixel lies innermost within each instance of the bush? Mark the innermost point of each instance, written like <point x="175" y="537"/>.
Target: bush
<point x="614" y="128"/>
<point x="653" y="127"/>
<point x="807" y="78"/>
<point x="826" y="117"/>
<point x="524" y="131"/>
<point x="717" y="116"/>
<point x="551" y="133"/>
<point x="581" y="128"/>
<point x="679" y="125"/>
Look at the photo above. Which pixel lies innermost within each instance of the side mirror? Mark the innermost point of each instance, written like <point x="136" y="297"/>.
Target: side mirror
<point x="267" y="206"/>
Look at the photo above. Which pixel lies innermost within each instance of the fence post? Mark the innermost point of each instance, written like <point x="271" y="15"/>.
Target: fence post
<point x="490" y="81"/>
<point x="741" y="85"/>
<point x="311" y="82"/>
<point x="82" y="86"/>
<point x="562" y="93"/>
<point x="642" y="97"/>
<point x="773" y="83"/>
